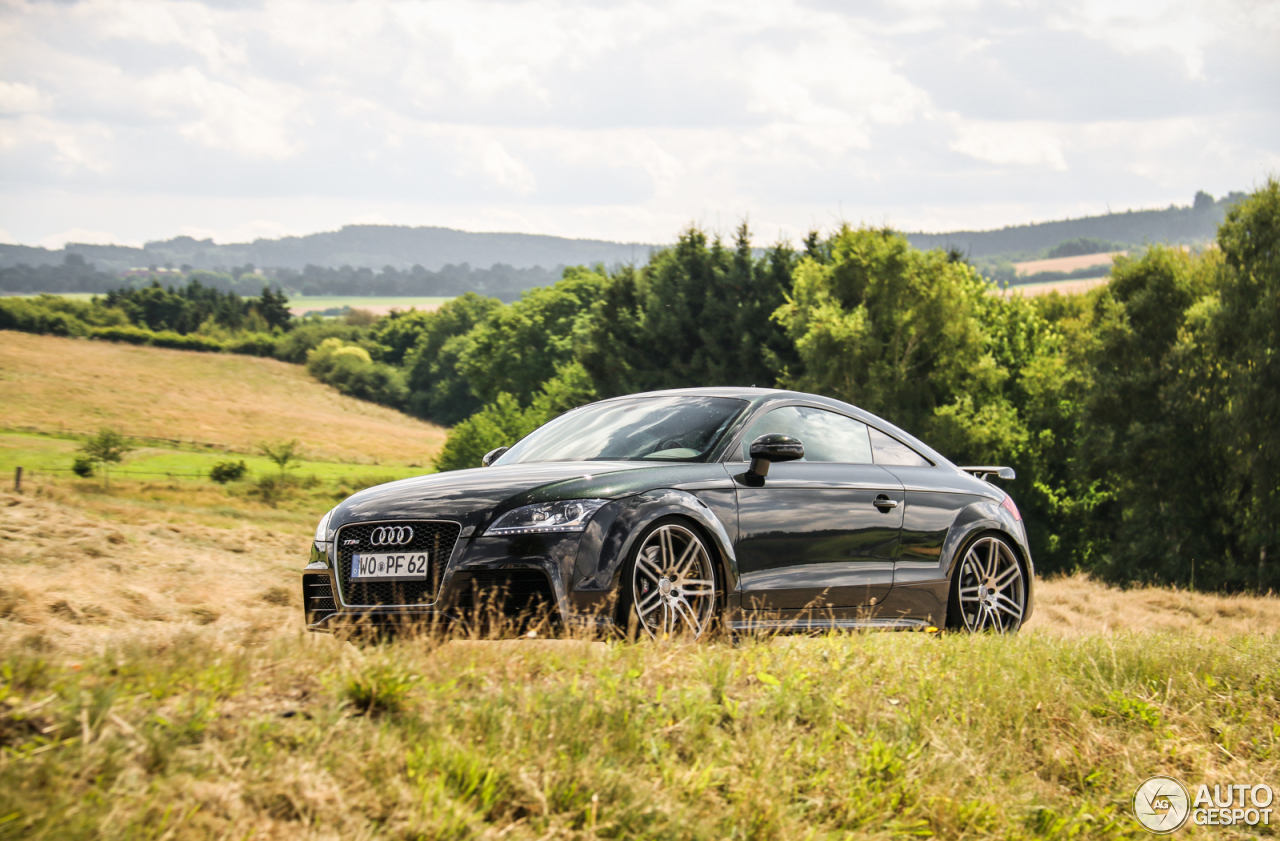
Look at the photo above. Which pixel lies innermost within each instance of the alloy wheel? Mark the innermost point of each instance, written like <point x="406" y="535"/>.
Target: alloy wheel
<point x="673" y="583"/>
<point x="992" y="589"/>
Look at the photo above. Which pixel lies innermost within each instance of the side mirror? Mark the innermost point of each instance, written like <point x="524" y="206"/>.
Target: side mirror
<point x="492" y="456"/>
<point x="773" y="447"/>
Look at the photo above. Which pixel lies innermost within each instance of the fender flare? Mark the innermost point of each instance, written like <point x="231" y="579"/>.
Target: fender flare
<point x="634" y="517"/>
<point x="989" y="516"/>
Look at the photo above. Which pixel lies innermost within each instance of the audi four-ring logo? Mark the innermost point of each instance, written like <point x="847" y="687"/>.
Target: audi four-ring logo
<point x="391" y="535"/>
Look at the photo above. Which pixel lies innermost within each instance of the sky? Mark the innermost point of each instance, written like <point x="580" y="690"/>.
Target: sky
<point x="133" y="120"/>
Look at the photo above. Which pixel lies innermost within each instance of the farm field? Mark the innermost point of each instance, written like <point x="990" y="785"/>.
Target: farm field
<point x="50" y="384"/>
<point x="1067" y="264"/>
<point x="379" y="305"/>
<point x="1062" y="287"/>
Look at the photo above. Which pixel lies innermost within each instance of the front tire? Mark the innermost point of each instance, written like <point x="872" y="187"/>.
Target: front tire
<point x="670" y="583"/>
<point x="988" y="588"/>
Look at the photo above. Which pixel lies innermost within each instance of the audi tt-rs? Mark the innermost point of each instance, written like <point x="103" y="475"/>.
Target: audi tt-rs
<point x="669" y="512"/>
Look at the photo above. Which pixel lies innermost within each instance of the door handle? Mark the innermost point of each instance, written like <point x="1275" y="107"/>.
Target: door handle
<point x="885" y="502"/>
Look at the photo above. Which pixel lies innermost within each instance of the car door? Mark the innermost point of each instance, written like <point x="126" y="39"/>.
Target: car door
<point x="934" y="497"/>
<point x="821" y="532"/>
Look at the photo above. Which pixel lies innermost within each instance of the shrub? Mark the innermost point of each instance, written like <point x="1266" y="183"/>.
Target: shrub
<point x="271" y="489"/>
<point x="36" y="316"/>
<point x="252" y="344"/>
<point x="381" y="688"/>
<point x="228" y="471"/>
<point x="177" y="341"/>
<point x="351" y="370"/>
<point x="132" y="335"/>
<point x="108" y="447"/>
<point x="500" y="424"/>
<point x="83" y="466"/>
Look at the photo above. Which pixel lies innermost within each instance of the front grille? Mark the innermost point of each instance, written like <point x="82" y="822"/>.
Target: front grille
<point x="317" y="596"/>
<point x="434" y="537"/>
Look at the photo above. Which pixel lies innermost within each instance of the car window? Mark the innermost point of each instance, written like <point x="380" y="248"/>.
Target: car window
<point x="891" y="451"/>
<point x="672" y="428"/>
<point x="826" y="436"/>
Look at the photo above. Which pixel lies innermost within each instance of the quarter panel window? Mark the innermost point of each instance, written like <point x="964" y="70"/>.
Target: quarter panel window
<point x="891" y="451"/>
<point x="827" y="436"/>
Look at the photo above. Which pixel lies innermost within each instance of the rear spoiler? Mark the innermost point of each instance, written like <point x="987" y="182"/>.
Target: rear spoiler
<point x="987" y="472"/>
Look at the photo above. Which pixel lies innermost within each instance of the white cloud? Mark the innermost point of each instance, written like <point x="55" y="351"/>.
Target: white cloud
<point x="623" y="119"/>
<point x="17" y="98"/>
<point x="80" y="235"/>
<point x="1017" y="143"/>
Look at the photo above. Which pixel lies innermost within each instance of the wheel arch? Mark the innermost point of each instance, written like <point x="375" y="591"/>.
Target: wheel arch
<point x="989" y="517"/>
<point x="649" y="507"/>
<point x="1021" y="555"/>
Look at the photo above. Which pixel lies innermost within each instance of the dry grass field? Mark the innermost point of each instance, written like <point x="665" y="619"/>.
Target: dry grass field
<point x="378" y="305"/>
<point x="1062" y="287"/>
<point x="1067" y="264"/>
<point x="51" y="384"/>
<point x="82" y="567"/>
<point x="155" y="683"/>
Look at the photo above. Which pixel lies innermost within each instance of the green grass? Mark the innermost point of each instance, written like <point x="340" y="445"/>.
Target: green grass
<point x="54" y="454"/>
<point x="882" y="736"/>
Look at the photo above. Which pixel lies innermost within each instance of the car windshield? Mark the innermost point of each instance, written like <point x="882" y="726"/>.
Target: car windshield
<point x="645" y="428"/>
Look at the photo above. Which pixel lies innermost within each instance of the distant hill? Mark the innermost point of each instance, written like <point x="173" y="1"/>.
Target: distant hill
<point x="399" y="260"/>
<point x="1185" y="225"/>
<point x="358" y="246"/>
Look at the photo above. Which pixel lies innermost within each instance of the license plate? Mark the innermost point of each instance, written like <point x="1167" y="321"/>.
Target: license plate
<point x="405" y="566"/>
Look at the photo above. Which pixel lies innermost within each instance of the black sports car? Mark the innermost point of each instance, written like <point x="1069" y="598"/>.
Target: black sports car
<point x="671" y="510"/>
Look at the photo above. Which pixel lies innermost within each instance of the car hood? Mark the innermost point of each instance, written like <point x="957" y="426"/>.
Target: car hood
<point x="473" y="497"/>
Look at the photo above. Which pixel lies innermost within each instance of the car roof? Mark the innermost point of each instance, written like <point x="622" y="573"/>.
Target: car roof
<point x="760" y="396"/>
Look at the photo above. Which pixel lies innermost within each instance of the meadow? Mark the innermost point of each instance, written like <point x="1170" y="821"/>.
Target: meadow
<point x="227" y="402"/>
<point x="155" y="681"/>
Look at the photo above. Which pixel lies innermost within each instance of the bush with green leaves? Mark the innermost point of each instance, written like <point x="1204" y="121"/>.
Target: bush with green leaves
<point x="228" y="471"/>
<point x="83" y="466"/>
<point x="351" y="370"/>
<point x="106" y="448"/>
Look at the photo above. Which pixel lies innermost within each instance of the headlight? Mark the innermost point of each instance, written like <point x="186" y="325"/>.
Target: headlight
<point x="565" y="516"/>
<point x="322" y="530"/>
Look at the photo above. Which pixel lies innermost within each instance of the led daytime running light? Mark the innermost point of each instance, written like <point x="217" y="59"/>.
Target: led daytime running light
<point x="569" y="515"/>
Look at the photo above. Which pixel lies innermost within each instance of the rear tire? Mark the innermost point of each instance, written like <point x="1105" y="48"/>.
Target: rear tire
<point x="988" y="587"/>
<point x="669" y="583"/>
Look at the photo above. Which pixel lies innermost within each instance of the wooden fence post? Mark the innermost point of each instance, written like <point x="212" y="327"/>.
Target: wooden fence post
<point x="17" y="480"/>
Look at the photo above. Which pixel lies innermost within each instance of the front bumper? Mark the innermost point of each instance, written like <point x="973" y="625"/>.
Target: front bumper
<point x="514" y="576"/>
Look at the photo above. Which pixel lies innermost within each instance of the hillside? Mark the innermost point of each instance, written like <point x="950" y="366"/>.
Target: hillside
<point x="367" y="246"/>
<point x="470" y="258"/>
<point x="53" y="384"/>
<point x="1195" y="224"/>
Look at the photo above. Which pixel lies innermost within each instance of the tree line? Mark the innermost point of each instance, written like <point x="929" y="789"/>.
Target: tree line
<point x="75" y="274"/>
<point x="1138" y="416"/>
